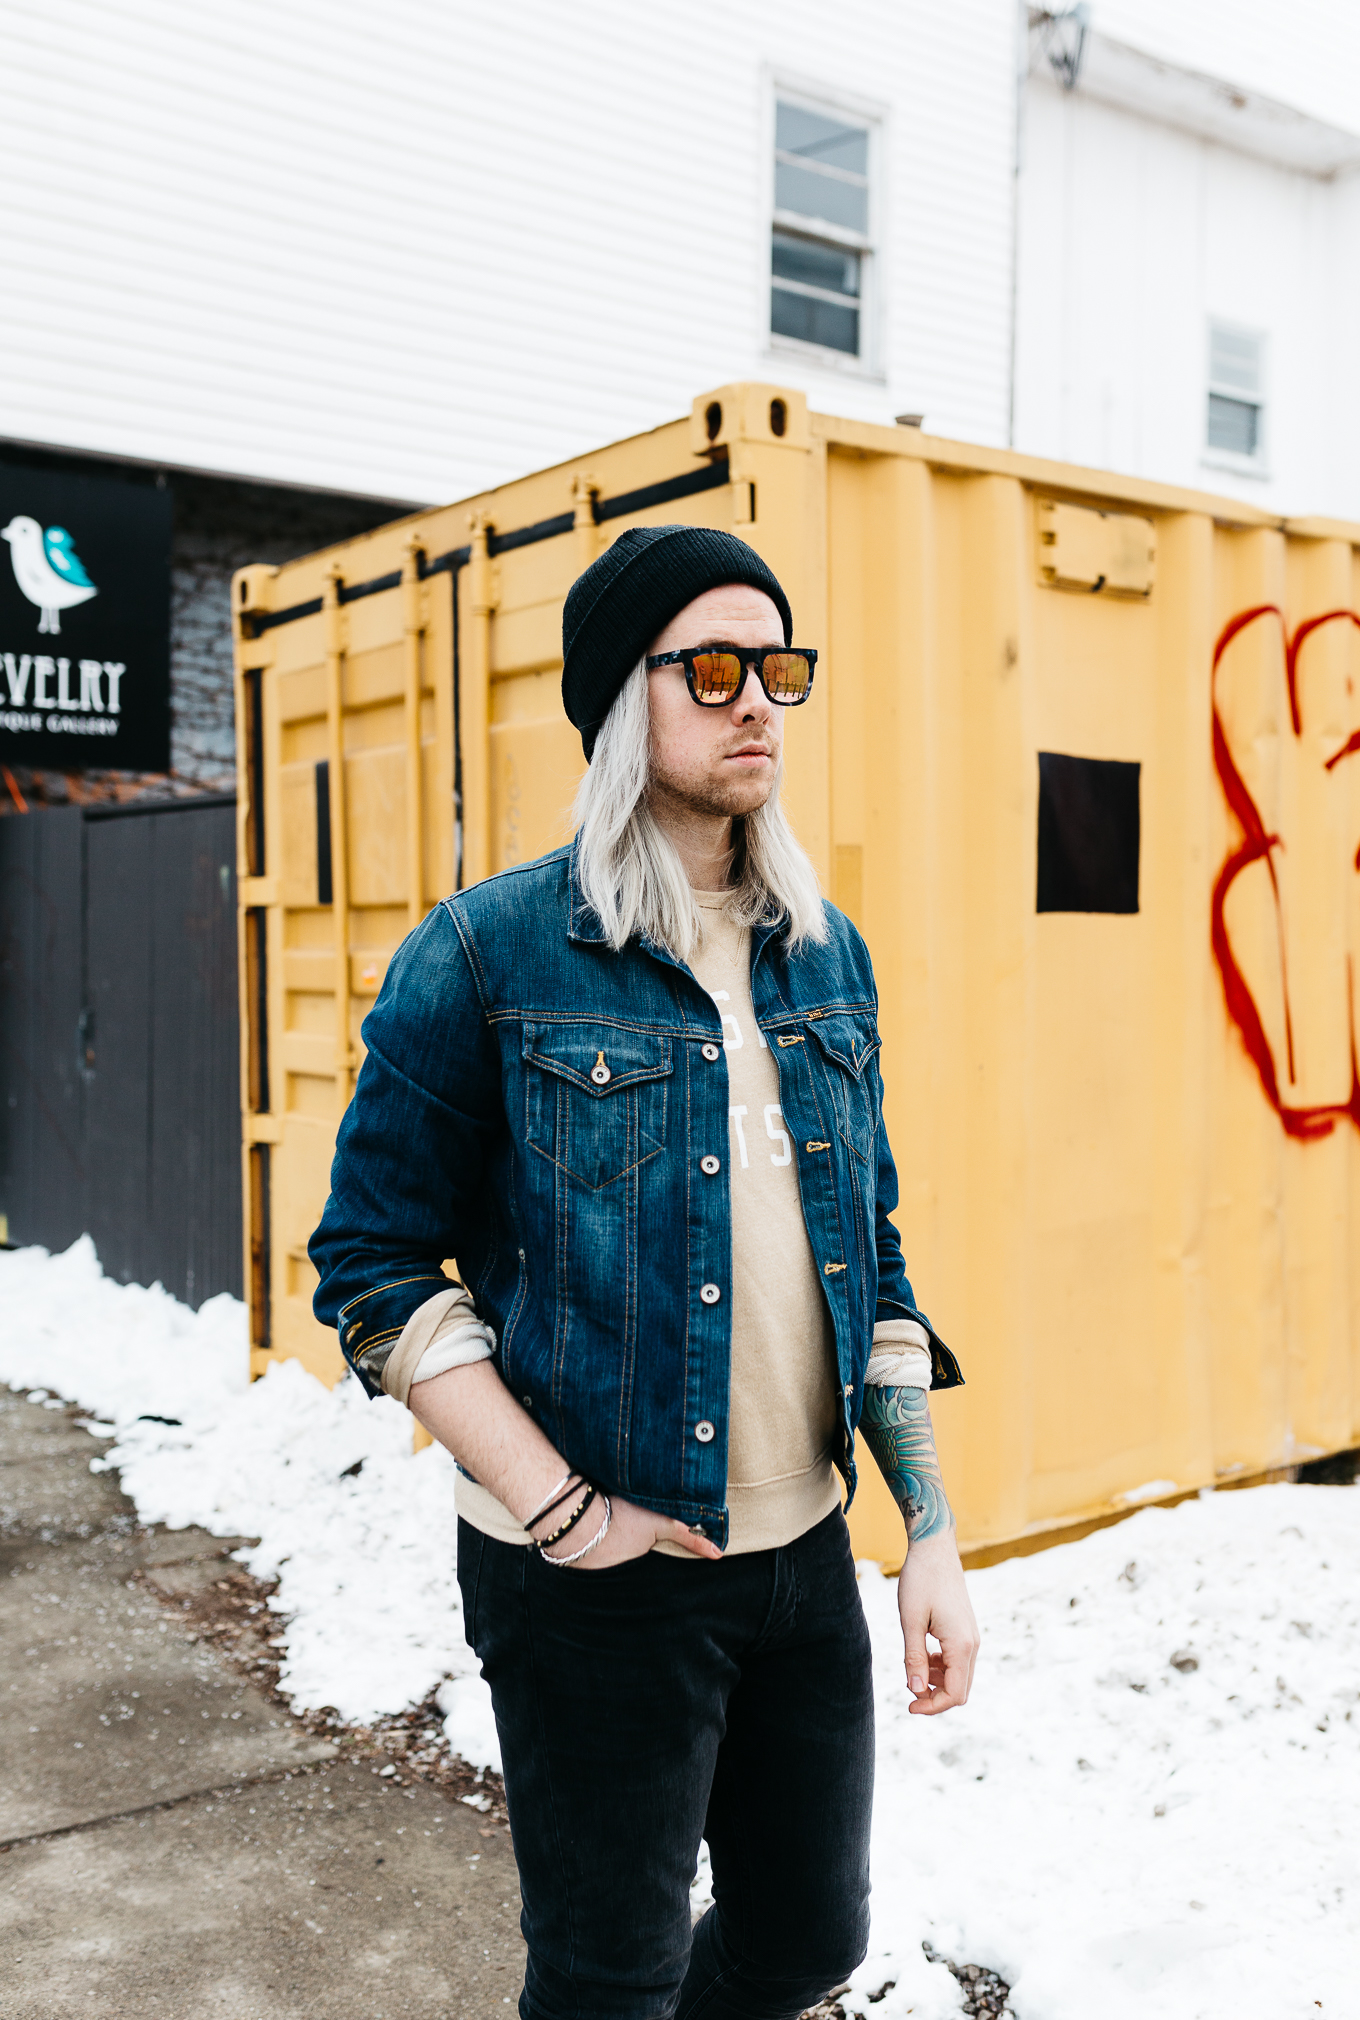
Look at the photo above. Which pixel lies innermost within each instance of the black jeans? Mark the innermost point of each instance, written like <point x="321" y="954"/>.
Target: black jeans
<point x="648" y="1705"/>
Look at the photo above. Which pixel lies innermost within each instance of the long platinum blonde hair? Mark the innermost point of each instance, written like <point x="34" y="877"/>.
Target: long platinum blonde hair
<point x="631" y="871"/>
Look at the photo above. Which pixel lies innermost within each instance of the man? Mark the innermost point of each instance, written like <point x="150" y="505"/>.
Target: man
<point x="633" y="1090"/>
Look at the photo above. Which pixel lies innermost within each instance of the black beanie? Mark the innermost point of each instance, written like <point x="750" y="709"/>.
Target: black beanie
<point x="615" y="610"/>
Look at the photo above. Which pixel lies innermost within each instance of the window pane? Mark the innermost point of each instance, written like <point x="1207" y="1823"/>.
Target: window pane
<point x="815" y="322"/>
<point x="818" y="137"/>
<point x="1234" y="425"/>
<point x="812" y="195"/>
<point x="1234" y="359"/>
<point x="817" y="266"/>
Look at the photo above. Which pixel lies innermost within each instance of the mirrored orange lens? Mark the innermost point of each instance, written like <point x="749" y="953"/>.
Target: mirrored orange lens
<point x="717" y="676"/>
<point x="787" y="676"/>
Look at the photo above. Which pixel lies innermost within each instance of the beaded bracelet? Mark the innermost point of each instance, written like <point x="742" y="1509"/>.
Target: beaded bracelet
<point x="595" y="1540"/>
<point x="541" y="1542"/>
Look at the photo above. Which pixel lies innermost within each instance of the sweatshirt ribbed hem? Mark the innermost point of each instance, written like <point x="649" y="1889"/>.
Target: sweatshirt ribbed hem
<point x="759" y="1518"/>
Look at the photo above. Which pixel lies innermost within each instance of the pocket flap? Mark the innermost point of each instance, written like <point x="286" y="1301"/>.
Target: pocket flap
<point x="849" y="1038"/>
<point x="578" y="1051"/>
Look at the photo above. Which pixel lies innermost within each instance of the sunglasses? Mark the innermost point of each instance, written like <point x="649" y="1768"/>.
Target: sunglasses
<point x="716" y="674"/>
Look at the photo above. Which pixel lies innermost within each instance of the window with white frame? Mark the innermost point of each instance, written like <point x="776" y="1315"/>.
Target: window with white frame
<point x="1236" y="415"/>
<point x="820" y="246"/>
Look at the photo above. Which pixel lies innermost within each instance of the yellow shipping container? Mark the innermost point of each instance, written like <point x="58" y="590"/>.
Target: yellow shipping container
<point x="1129" y="1137"/>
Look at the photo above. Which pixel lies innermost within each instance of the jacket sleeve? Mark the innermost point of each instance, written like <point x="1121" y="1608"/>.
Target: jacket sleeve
<point x="411" y="1149"/>
<point x="896" y="1298"/>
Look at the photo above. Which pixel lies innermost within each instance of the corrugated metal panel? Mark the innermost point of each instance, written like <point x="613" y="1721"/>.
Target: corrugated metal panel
<point x="42" y="1168"/>
<point x="195" y="1128"/>
<point x="1146" y="1262"/>
<point x="121" y="984"/>
<point x="119" y="1049"/>
<point x="162" y="1128"/>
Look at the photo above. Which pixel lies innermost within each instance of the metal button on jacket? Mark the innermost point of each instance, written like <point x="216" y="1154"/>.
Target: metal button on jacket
<point x="710" y="1051"/>
<point x="709" y="1166"/>
<point x="703" y="1431"/>
<point x="710" y="1294"/>
<point x="599" y="1072"/>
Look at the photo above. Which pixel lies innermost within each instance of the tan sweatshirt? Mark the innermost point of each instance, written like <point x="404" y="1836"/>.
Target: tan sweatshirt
<point x="785" y="1388"/>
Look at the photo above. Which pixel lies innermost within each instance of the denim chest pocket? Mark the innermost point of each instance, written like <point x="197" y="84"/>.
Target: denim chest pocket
<point x="849" y="1044"/>
<point x="595" y="1097"/>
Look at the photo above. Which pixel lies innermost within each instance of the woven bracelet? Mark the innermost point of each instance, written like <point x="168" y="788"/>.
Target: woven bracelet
<point x="593" y="1544"/>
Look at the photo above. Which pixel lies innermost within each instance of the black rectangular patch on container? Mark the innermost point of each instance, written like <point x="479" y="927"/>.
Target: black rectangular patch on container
<point x="1088" y="834"/>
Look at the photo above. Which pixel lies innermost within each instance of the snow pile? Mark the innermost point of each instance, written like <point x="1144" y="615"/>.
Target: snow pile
<point x="360" y="1532"/>
<point x="1148" y="1805"/>
<point x="1147" y="1808"/>
<point x="119" y="1349"/>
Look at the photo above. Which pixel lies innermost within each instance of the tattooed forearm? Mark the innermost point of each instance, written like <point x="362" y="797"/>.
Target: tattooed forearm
<point x="897" y="1428"/>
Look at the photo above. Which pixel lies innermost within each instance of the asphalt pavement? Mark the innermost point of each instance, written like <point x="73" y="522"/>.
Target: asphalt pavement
<point x="172" y="1842"/>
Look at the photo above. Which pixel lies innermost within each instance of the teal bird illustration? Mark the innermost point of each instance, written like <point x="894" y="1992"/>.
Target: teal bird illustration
<point x="60" y="549"/>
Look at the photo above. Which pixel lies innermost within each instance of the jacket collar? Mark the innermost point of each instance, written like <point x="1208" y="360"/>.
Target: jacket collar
<point x="583" y="921"/>
<point x="584" y="927"/>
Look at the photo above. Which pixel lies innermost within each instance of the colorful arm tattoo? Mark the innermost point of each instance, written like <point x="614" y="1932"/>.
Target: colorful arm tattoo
<point x="897" y="1429"/>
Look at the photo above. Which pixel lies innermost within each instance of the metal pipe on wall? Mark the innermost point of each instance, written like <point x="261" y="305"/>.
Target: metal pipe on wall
<point x="345" y="1062"/>
<point x="413" y="643"/>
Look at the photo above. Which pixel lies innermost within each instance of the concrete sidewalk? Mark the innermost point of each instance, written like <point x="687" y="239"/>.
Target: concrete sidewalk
<point x="171" y="1842"/>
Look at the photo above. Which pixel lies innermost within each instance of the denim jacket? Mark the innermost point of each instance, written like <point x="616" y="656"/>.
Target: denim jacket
<point x="547" y="1113"/>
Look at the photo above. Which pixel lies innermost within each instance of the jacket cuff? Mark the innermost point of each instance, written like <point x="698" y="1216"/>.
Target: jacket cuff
<point x="945" y="1372"/>
<point x="371" y="1324"/>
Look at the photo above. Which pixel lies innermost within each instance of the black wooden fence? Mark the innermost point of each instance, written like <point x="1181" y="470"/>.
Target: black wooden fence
<point x="119" y="1062"/>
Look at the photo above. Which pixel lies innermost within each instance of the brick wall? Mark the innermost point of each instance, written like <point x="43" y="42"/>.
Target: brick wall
<point x="219" y="526"/>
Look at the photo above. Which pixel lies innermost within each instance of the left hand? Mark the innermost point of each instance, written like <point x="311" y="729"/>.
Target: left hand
<point x="632" y="1532"/>
<point x="932" y="1598"/>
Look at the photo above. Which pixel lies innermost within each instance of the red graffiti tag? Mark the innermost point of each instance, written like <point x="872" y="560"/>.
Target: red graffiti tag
<point x="1258" y="845"/>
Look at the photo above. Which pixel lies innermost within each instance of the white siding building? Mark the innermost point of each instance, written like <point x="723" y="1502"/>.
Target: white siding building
<point x="1188" y="244"/>
<point x="403" y="255"/>
<point x="312" y="262"/>
<point x="409" y="252"/>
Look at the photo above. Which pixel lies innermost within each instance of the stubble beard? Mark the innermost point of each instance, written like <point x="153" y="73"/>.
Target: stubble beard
<point x="724" y="798"/>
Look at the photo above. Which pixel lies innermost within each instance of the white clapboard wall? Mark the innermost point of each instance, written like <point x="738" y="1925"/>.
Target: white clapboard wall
<point x="412" y="250"/>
